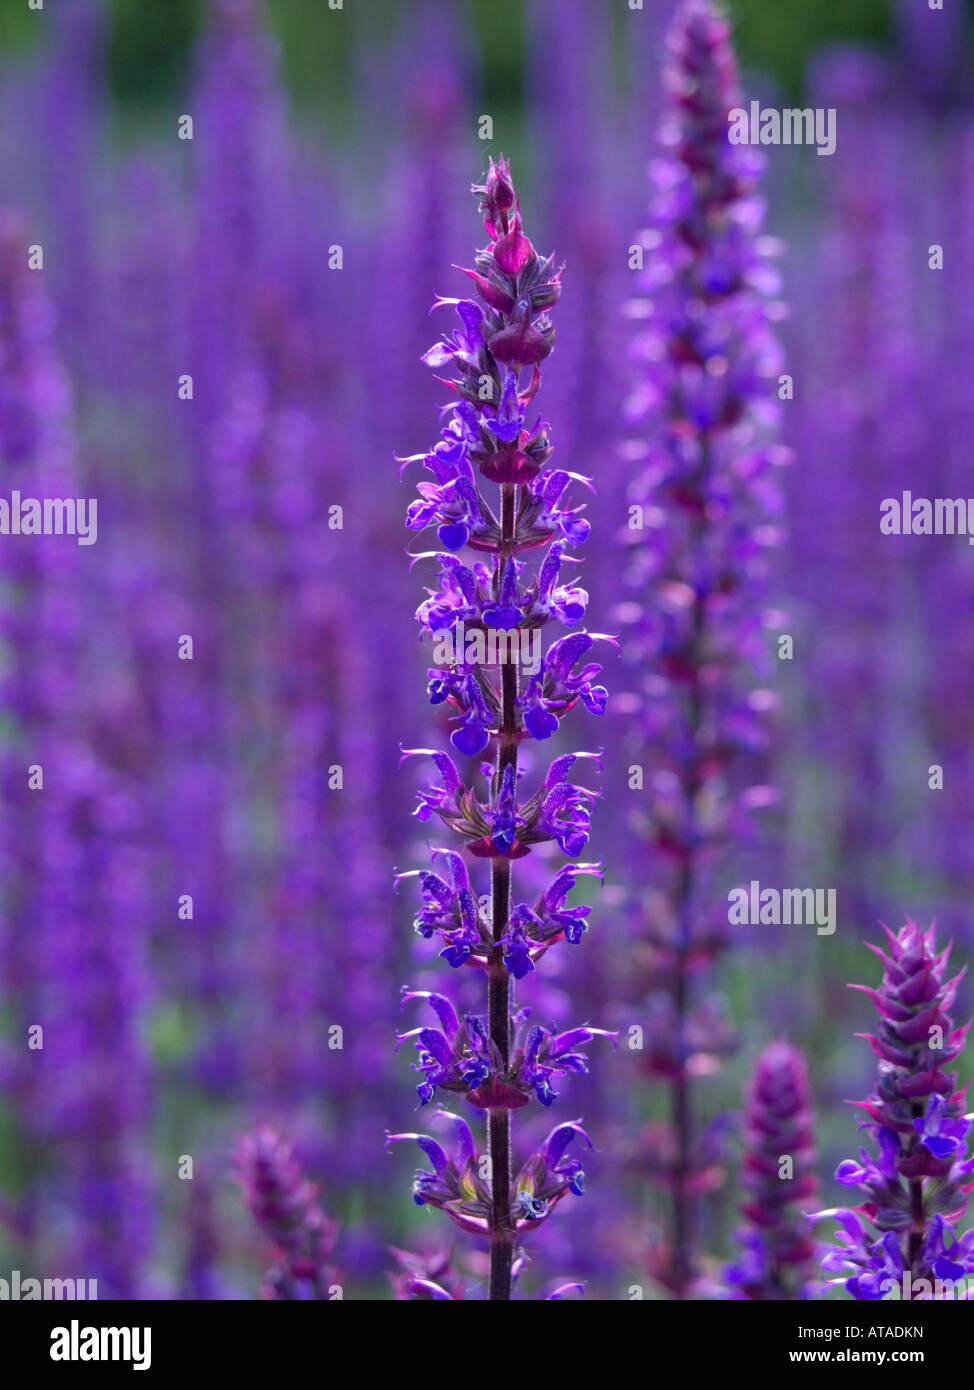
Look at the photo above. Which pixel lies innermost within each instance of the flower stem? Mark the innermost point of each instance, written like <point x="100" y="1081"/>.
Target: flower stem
<point x="680" y="1260"/>
<point x="502" y="1234"/>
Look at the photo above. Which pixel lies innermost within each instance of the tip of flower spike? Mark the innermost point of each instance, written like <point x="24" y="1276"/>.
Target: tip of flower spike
<point x="497" y="195"/>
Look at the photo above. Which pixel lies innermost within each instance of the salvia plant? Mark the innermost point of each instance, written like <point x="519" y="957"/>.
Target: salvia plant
<point x="489" y="599"/>
<point x="915" y="1177"/>
<point x="284" y="1205"/>
<point x="184" y="338"/>
<point x="777" y="1253"/>
<point x="702" y="524"/>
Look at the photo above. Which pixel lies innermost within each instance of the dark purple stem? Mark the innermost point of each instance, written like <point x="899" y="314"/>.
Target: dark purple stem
<point x="680" y="1103"/>
<point x="502" y="1234"/>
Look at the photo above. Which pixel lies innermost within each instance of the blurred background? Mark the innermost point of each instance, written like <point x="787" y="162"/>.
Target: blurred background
<point x="202" y="893"/>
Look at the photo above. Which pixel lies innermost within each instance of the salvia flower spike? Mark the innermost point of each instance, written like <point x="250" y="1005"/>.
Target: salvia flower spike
<point x="285" y="1207"/>
<point x="914" y="1171"/>
<point x="505" y="569"/>
<point x="776" y="1259"/>
<point x="705" y="362"/>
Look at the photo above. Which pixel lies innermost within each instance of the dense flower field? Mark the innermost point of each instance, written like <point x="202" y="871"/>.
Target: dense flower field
<point x="489" y="736"/>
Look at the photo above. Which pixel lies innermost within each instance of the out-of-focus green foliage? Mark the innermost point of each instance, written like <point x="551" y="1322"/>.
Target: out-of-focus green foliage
<point x="778" y="36"/>
<point x="151" y="40"/>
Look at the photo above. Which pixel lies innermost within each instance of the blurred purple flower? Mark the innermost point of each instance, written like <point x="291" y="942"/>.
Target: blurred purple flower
<point x="284" y="1206"/>
<point x="703" y="520"/>
<point x="777" y="1253"/>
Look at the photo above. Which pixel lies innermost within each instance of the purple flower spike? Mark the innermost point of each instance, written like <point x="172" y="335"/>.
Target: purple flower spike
<point x="285" y="1208"/>
<point x="778" y="1174"/>
<point x="704" y="366"/>
<point x="501" y="578"/>
<point x="902" y="1241"/>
